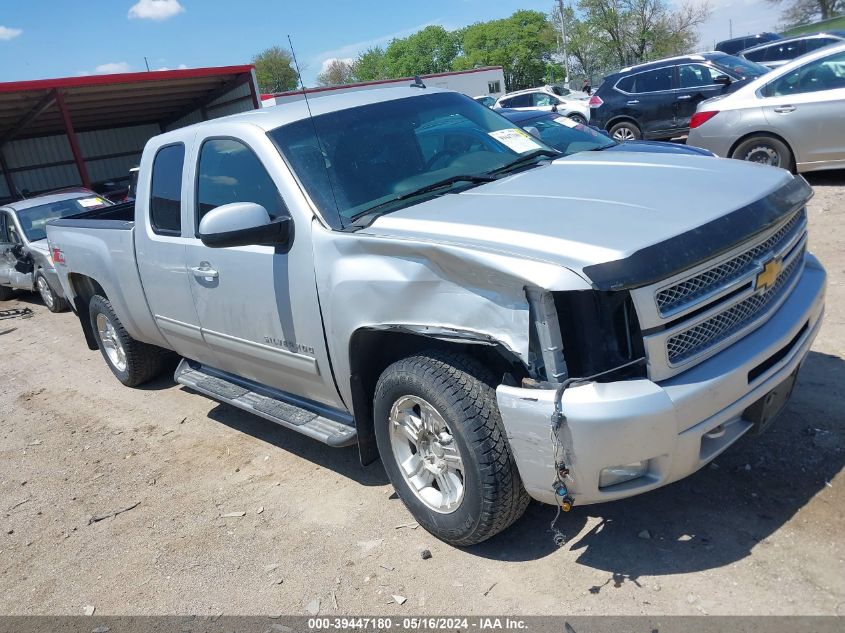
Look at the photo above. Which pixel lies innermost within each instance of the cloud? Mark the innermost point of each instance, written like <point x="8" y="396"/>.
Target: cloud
<point x="155" y="9"/>
<point x="327" y="62"/>
<point x="9" y="34"/>
<point x="179" y="67"/>
<point x="112" y="67"/>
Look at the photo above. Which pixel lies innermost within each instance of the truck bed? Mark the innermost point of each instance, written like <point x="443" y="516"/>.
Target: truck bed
<point x="119" y="216"/>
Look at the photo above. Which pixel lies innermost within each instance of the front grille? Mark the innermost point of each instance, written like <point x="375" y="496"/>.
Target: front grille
<point x="685" y="292"/>
<point x="706" y="334"/>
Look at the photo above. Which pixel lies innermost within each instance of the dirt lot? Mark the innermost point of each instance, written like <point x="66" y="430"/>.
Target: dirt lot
<point x="760" y="532"/>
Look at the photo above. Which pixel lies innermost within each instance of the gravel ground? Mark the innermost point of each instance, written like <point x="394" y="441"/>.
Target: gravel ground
<point x="226" y="513"/>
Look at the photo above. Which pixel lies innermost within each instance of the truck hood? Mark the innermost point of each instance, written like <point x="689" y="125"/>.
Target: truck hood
<point x="591" y="209"/>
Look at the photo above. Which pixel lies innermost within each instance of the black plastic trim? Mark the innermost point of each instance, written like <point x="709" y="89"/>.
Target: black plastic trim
<point x="670" y="257"/>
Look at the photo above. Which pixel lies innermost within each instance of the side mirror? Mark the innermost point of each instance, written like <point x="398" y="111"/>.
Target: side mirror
<point x="554" y="107"/>
<point x="722" y="79"/>
<point x="243" y="224"/>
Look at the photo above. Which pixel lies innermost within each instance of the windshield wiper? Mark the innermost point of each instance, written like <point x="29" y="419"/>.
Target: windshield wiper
<point x="527" y="158"/>
<point x="434" y="186"/>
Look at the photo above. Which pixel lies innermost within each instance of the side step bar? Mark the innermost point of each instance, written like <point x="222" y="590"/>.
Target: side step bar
<point x="237" y="393"/>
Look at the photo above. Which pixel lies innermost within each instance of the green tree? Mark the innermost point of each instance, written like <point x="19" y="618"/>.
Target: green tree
<point x="274" y="70"/>
<point x="634" y="31"/>
<point x="370" y="65"/>
<point x="807" y="11"/>
<point x="431" y="50"/>
<point x="522" y="44"/>
<point x="336" y="73"/>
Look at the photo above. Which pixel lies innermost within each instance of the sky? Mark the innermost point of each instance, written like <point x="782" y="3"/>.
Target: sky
<point x="57" y="38"/>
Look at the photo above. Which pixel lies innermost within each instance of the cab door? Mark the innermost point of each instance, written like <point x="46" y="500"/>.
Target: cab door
<point x="160" y="241"/>
<point x="258" y="308"/>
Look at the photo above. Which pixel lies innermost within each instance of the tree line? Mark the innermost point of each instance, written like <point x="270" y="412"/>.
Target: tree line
<point x="598" y="36"/>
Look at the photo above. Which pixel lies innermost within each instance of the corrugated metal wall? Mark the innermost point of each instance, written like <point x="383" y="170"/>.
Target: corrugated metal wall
<point x="45" y="163"/>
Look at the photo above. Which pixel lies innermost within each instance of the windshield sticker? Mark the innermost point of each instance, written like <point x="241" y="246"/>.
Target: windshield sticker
<point x="89" y="203"/>
<point x="517" y="140"/>
<point x="563" y="120"/>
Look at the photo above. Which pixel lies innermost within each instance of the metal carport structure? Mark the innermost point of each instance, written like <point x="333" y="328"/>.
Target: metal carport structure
<point x="86" y="130"/>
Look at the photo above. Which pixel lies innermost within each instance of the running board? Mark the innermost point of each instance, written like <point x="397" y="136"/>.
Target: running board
<point x="236" y="393"/>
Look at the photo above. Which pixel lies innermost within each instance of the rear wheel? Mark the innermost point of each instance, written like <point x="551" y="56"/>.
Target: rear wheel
<point x="131" y="361"/>
<point x="442" y="443"/>
<point x="766" y="150"/>
<point x="53" y="301"/>
<point x="577" y="118"/>
<point x="625" y="131"/>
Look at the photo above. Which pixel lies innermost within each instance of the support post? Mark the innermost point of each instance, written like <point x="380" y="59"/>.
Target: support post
<point x="10" y="182"/>
<point x="74" y="143"/>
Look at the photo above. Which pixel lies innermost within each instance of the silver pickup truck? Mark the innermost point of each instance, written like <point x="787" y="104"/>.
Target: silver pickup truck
<point x="403" y="270"/>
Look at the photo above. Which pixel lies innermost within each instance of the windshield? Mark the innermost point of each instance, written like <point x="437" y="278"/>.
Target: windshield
<point x="740" y="66"/>
<point x="374" y="154"/>
<point x="566" y="135"/>
<point x="33" y="220"/>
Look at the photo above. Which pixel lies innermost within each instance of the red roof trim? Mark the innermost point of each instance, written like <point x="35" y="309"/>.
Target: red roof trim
<point x="379" y="82"/>
<point x="122" y="78"/>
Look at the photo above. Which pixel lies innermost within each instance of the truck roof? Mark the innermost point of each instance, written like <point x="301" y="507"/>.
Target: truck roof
<point x="276" y="116"/>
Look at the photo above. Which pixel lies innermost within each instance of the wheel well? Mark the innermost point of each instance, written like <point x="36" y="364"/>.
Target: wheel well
<point x="745" y="137"/>
<point x="622" y="119"/>
<point x="371" y="351"/>
<point x="83" y="288"/>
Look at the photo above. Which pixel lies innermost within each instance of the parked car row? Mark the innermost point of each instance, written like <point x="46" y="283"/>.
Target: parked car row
<point x="792" y="117"/>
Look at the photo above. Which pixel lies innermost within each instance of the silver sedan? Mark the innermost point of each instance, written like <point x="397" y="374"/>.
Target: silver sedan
<point x="792" y="117"/>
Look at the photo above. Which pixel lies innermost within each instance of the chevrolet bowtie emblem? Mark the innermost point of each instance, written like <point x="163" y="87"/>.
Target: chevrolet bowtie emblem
<point x="767" y="277"/>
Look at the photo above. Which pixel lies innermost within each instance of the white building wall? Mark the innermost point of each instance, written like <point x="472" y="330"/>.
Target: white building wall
<point x="473" y="84"/>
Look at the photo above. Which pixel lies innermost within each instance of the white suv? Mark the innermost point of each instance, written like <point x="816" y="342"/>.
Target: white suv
<point x="546" y="100"/>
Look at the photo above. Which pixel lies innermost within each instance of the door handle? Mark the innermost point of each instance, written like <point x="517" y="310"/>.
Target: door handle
<point x="684" y="97"/>
<point x="785" y="109"/>
<point x="205" y="270"/>
<point x="633" y="102"/>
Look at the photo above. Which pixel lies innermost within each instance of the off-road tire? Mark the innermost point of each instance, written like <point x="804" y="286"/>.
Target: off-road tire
<point x="463" y="392"/>
<point x="143" y="361"/>
<point x="6" y="293"/>
<point x="58" y="304"/>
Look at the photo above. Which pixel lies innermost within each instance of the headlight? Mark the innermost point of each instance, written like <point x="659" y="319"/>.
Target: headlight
<point x="622" y="473"/>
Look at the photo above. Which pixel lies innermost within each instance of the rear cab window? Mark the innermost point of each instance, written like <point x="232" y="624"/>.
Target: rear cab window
<point x="166" y="190"/>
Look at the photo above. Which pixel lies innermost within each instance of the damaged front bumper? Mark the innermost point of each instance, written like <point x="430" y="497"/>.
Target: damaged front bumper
<point x="674" y="427"/>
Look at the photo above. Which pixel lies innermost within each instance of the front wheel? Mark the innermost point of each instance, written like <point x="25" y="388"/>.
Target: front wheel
<point x="766" y="150"/>
<point x="53" y="301"/>
<point x="6" y="293"/>
<point x="131" y="361"/>
<point x="442" y="443"/>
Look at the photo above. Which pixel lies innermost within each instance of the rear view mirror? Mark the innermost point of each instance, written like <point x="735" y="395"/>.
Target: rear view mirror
<point x="533" y="131"/>
<point x="243" y="224"/>
<point x="722" y="79"/>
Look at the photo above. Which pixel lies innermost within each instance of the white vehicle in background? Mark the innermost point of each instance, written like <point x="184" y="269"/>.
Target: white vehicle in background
<point x="545" y="99"/>
<point x="792" y="117"/>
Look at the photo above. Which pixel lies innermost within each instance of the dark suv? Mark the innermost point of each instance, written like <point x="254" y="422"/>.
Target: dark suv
<point x="657" y="99"/>
<point x="737" y="44"/>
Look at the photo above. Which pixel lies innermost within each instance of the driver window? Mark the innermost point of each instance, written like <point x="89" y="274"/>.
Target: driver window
<point x="4" y="235"/>
<point x="8" y="232"/>
<point x="229" y="171"/>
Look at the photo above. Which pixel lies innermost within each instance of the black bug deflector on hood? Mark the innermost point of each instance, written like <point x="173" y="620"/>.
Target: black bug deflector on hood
<point x="669" y="257"/>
